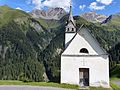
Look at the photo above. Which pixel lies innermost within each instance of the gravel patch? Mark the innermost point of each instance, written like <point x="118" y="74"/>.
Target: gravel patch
<point x="117" y="82"/>
<point x="14" y="87"/>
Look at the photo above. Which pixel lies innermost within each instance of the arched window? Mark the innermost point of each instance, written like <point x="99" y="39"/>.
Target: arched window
<point x="84" y="50"/>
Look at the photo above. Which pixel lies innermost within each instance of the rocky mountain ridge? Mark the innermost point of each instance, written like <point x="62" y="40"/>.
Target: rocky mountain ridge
<point x="51" y="13"/>
<point x="94" y="17"/>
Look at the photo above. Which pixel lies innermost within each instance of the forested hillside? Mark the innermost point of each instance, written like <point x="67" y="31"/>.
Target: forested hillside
<point x="30" y="48"/>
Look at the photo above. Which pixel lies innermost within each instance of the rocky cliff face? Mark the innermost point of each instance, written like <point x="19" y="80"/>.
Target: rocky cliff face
<point x="107" y="20"/>
<point x="52" y="13"/>
<point x="112" y="19"/>
<point x="93" y="17"/>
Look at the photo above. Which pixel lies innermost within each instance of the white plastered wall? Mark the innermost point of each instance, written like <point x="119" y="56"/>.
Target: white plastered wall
<point x="98" y="70"/>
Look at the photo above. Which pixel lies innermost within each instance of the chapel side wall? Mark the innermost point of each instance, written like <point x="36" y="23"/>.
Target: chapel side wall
<point x="98" y="66"/>
<point x="100" y="75"/>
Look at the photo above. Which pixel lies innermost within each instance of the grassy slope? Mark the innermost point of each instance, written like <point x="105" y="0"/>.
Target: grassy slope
<point x="22" y="32"/>
<point x="113" y="24"/>
<point x="22" y="40"/>
<point x="115" y="20"/>
<point x="114" y="86"/>
<point x="49" y="23"/>
<point x="7" y="14"/>
<point x="115" y="75"/>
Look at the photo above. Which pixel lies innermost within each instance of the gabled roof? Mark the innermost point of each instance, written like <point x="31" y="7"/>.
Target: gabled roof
<point x="79" y="32"/>
<point x="95" y="39"/>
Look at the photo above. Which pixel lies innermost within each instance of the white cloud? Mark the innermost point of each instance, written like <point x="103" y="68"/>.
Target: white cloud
<point x="57" y="3"/>
<point x="94" y="6"/>
<point x="106" y="2"/>
<point x="19" y="8"/>
<point x="27" y="11"/>
<point x="82" y="7"/>
<point x="38" y="4"/>
<point x="28" y="1"/>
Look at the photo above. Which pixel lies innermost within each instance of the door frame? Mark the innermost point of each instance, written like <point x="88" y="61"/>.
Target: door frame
<point x="88" y="75"/>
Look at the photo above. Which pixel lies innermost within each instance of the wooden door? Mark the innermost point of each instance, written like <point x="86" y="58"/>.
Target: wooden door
<point x="84" y="76"/>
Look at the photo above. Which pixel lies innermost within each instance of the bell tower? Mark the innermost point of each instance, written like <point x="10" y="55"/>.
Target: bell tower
<point x="70" y="27"/>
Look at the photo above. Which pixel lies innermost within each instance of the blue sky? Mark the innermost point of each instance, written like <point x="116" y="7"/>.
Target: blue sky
<point x="106" y="7"/>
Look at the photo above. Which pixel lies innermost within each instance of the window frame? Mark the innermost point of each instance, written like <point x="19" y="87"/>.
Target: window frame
<point x="84" y="50"/>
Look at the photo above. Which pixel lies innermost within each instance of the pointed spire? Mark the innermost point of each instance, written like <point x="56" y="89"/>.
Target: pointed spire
<point x="70" y="13"/>
<point x="70" y="2"/>
<point x="71" y="7"/>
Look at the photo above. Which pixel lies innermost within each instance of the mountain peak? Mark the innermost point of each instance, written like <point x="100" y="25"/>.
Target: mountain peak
<point x="51" y="13"/>
<point x="93" y="17"/>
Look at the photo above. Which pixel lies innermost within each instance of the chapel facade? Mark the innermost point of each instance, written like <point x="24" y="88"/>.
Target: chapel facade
<point x="83" y="61"/>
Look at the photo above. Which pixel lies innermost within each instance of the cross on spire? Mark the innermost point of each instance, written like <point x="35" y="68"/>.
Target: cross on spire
<point x="70" y="2"/>
<point x="70" y="13"/>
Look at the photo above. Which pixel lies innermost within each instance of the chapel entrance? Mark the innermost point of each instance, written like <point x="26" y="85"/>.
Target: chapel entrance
<point x="84" y="77"/>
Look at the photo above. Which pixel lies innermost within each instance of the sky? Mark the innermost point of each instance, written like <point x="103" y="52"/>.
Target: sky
<point x="106" y="7"/>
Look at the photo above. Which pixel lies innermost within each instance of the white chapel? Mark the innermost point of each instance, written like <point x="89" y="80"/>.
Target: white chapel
<point x="83" y="61"/>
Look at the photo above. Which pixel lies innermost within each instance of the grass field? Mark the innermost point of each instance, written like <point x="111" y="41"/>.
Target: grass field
<point x="114" y="86"/>
<point x="51" y="84"/>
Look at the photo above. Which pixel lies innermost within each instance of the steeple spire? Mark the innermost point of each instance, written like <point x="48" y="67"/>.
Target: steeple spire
<point x="70" y="31"/>
<point x="70" y="26"/>
<point x="70" y="13"/>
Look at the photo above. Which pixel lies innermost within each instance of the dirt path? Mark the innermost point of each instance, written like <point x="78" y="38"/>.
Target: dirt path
<point x="13" y="87"/>
<point x="117" y="82"/>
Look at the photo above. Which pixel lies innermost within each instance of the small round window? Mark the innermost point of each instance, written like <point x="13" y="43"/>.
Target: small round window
<point x="84" y="50"/>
